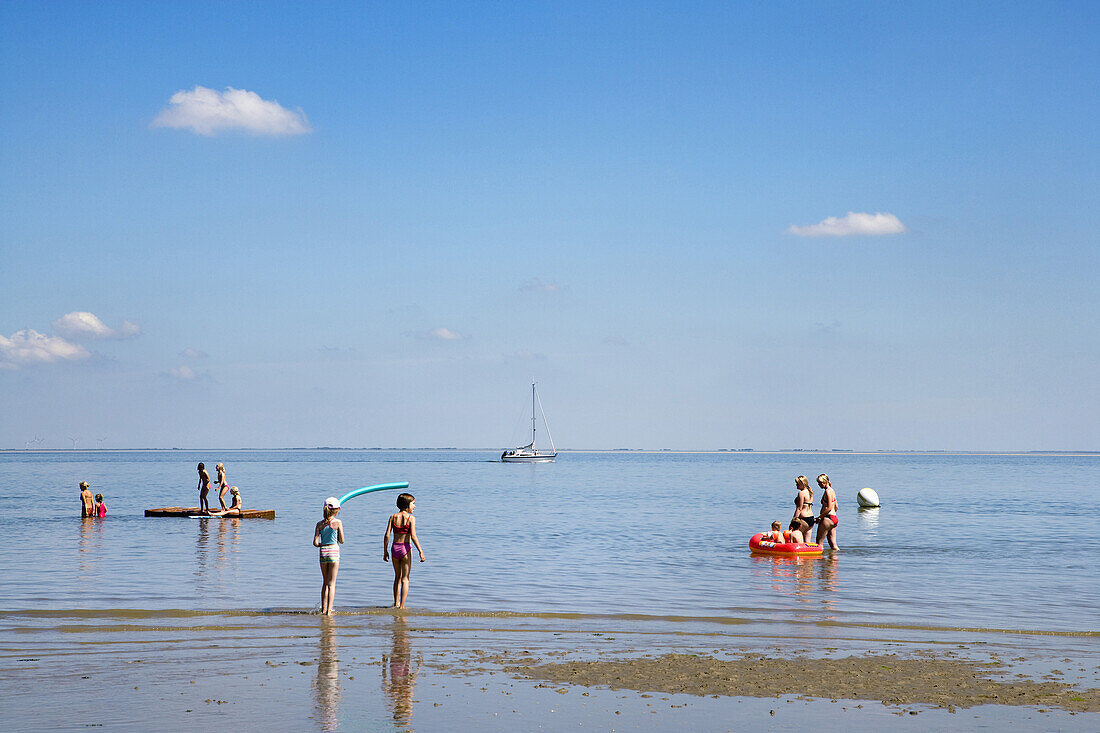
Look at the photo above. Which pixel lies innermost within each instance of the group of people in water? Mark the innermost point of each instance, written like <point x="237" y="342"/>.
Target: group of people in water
<point x="798" y="531"/>
<point x="328" y="535"/>
<point x="234" y="509"/>
<point x="91" y="506"/>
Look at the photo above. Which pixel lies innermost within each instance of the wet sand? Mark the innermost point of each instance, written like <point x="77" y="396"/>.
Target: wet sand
<point x="379" y="669"/>
<point x="890" y="679"/>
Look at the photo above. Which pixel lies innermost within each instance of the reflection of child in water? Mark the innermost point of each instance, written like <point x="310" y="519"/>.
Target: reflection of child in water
<point x="327" y="683"/>
<point x="399" y="671"/>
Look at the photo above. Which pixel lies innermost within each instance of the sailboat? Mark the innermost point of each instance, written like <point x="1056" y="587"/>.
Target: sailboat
<point x="529" y="453"/>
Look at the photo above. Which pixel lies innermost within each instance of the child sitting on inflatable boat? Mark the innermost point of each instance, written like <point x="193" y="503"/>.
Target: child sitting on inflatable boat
<point x="776" y="535"/>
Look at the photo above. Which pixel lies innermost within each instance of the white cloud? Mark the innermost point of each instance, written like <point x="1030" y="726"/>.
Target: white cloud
<point x="183" y="373"/>
<point x="853" y="224"/>
<point x="436" y="334"/>
<point x="84" y="324"/>
<point x="444" y="334"/>
<point x="536" y="285"/>
<point x="208" y="111"/>
<point x="193" y="353"/>
<point x="29" y="347"/>
<point x="128" y="330"/>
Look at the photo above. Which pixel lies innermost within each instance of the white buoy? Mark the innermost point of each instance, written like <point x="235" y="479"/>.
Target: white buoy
<point x="867" y="497"/>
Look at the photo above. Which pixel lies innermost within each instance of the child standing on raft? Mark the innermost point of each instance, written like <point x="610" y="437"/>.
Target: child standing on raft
<point x="403" y="525"/>
<point x="204" y="488"/>
<point x="222" y="485"/>
<point x="328" y="536"/>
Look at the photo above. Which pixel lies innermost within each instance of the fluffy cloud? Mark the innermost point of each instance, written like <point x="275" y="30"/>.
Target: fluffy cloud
<point x="443" y="334"/>
<point x="536" y="285"/>
<point x="193" y="353"/>
<point x="183" y="373"/>
<point x="853" y="224"/>
<point x="28" y="347"/>
<point x="82" y="324"/>
<point x="436" y="334"/>
<point x="208" y="111"/>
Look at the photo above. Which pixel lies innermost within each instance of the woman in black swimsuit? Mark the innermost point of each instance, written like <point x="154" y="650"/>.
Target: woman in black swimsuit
<point x="803" y="507"/>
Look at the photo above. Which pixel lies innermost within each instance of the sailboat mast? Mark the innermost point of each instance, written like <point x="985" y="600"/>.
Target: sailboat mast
<point x="532" y="414"/>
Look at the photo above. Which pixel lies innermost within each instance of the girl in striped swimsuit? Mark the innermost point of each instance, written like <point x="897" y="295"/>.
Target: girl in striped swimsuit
<point x="328" y="536"/>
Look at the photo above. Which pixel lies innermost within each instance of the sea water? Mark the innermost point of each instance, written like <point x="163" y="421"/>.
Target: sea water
<point x="996" y="542"/>
<point x="135" y="623"/>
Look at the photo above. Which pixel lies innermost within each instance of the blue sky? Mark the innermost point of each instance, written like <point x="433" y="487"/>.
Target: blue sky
<point x="408" y="211"/>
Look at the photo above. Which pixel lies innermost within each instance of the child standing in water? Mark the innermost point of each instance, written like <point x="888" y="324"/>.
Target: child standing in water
<point x="328" y="536"/>
<point x="100" y="506"/>
<point x="403" y="525"/>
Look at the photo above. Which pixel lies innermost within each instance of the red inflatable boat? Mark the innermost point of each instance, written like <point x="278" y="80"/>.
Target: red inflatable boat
<point x="785" y="549"/>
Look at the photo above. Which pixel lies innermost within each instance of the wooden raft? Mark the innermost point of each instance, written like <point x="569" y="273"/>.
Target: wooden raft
<point x="194" y="511"/>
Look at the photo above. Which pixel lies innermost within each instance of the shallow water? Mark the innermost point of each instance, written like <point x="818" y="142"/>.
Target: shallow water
<point x="368" y="669"/>
<point x="140" y="624"/>
<point x="961" y="541"/>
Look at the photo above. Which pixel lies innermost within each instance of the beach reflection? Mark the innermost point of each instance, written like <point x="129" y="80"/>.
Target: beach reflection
<point x="229" y="536"/>
<point x="216" y="546"/>
<point x="867" y="520"/>
<point x="812" y="581"/>
<point x="202" y="552"/>
<point x="828" y="575"/>
<point x="399" y="671"/>
<point x="326" y="686"/>
<point x="88" y="547"/>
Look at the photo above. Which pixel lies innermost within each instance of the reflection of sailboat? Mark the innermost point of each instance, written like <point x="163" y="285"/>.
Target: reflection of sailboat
<point x="529" y="453"/>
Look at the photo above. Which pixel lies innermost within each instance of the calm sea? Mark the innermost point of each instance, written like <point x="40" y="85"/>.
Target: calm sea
<point x="999" y="542"/>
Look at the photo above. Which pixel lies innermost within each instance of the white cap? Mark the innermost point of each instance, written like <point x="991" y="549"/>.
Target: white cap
<point x="332" y="502"/>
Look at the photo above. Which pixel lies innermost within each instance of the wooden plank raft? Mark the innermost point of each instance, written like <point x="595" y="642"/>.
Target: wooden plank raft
<point x="194" y="511"/>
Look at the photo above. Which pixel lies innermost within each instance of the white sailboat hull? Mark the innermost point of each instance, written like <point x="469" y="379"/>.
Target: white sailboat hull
<point x="537" y="458"/>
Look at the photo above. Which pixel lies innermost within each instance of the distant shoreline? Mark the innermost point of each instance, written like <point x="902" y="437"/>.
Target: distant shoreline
<point x="617" y="451"/>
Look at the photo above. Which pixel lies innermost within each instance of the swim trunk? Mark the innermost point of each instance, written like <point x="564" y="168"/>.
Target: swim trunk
<point x="808" y="520"/>
<point x="834" y="520"/>
<point x="400" y="549"/>
<point x="330" y="553"/>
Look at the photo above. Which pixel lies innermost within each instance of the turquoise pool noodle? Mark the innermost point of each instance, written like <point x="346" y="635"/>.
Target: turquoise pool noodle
<point x="368" y="489"/>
